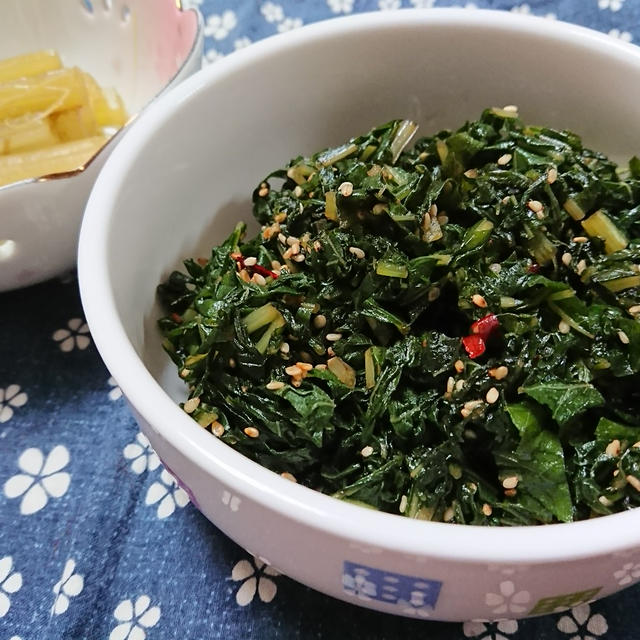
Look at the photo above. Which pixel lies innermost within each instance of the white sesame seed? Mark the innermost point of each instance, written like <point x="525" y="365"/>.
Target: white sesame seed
<point x="280" y="217"/>
<point x="510" y="108"/>
<point x="499" y="373"/>
<point x="274" y="385"/>
<point x="492" y="395"/>
<point x="540" y="215"/>
<point x="434" y="294"/>
<point x="471" y="173"/>
<point x="460" y="385"/>
<point x="232" y="363"/>
<point x="296" y="382"/>
<point x="259" y="279"/>
<point x="357" y="252"/>
<point x="579" y="239"/>
<point x="478" y="300"/>
<point x="298" y="191"/>
<point x="252" y="432"/>
<point x="442" y="219"/>
<point x="264" y="191"/>
<point x="191" y="405"/>
<point x="486" y="509"/>
<point x="495" y="267"/>
<point x="291" y="240"/>
<point x="504" y="159"/>
<point x="333" y="337"/>
<point x="624" y="338"/>
<point x="552" y="175"/>
<point x="319" y="321"/>
<point x="288" y="476"/>
<point x="300" y="257"/>
<point x="472" y="404"/>
<point x="346" y="189"/>
<point x="581" y="266"/>
<point x="250" y="261"/>
<point x="465" y="413"/>
<point x="634" y="310"/>
<point x="275" y="265"/>
<point x="244" y="275"/>
<point x="293" y="371"/>
<point x="566" y="258"/>
<point x="535" y="205"/>
<point x="510" y="482"/>
<point x="320" y="367"/>
<point x="564" y="327"/>
<point x="217" y="429"/>
<point x="366" y="451"/>
<point x="448" y="514"/>
<point x="613" y="448"/>
<point x="403" y="504"/>
<point x="317" y="245"/>
<point x="633" y="481"/>
<point x="287" y="254"/>
<point x="331" y="352"/>
<point x="284" y="347"/>
<point x="433" y="210"/>
<point x="459" y="366"/>
<point x="450" y="384"/>
<point x="305" y="366"/>
<point x="295" y="248"/>
<point x="604" y="501"/>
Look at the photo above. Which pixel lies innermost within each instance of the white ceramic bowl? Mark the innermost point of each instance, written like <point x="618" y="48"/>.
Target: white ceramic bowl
<point x="184" y="174"/>
<point x="140" y="47"/>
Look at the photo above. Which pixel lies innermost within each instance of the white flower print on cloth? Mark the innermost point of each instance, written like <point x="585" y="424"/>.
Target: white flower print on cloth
<point x="423" y="4"/>
<point x="11" y="398"/>
<point x="508" y="600"/>
<point x="167" y="494"/>
<point x="581" y="625"/>
<point x="10" y="582"/>
<point x="74" y="336"/>
<point x="134" y="619"/>
<point x="272" y="12"/>
<point x="115" y="393"/>
<point x="288" y="24"/>
<point x="241" y="43"/>
<point x="389" y="5"/>
<point x="254" y="576"/>
<point x="500" y="630"/>
<point x="141" y="454"/>
<point x="612" y="5"/>
<point x="625" y="36"/>
<point x="69" y="586"/>
<point x="340" y="6"/>
<point x="630" y="572"/>
<point x="218" y="26"/>
<point x="42" y="478"/>
<point x="212" y="55"/>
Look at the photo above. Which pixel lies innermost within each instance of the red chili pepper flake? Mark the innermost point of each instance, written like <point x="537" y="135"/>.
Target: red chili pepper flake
<point x="263" y="272"/>
<point x="534" y="267"/>
<point x="176" y="318"/>
<point x="485" y="326"/>
<point x="474" y="345"/>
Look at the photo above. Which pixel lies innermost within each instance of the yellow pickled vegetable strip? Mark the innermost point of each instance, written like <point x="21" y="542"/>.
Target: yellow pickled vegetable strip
<point x="24" y="134"/>
<point x="341" y="370"/>
<point x="330" y="207"/>
<point x="51" y="92"/>
<point x="107" y="106"/>
<point x="29" y="64"/>
<point x="60" y="158"/>
<point x="574" y="209"/>
<point x="74" y="124"/>
<point x="601" y="226"/>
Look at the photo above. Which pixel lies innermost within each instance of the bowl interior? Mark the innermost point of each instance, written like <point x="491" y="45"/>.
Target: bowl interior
<point x="184" y="173"/>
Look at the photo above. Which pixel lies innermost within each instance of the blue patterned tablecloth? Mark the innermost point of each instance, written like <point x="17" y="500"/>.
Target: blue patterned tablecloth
<point x="96" y="539"/>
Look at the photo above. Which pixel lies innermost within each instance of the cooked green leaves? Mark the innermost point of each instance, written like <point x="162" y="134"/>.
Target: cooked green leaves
<point x="449" y="331"/>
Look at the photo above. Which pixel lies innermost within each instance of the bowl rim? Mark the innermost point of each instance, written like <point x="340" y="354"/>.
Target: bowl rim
<point x="462" y="543"/>
<point x="198" y="39"/>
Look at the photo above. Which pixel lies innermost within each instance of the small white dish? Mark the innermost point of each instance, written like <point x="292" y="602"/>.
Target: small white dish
<point x="139" y="47"/>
